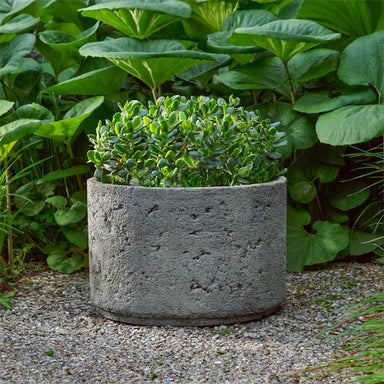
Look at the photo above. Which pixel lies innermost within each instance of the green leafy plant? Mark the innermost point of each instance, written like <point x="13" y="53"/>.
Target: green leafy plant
<point x="186" y="142"/>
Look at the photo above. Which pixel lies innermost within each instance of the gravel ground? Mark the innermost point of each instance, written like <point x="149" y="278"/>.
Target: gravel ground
<point x="53" y="335"/>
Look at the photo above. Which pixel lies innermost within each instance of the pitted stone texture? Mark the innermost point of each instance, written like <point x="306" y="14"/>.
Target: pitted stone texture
<point x="187" y="256"/>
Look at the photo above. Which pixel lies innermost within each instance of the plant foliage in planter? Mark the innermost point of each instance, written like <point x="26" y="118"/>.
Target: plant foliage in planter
<point x="180" y="142"/>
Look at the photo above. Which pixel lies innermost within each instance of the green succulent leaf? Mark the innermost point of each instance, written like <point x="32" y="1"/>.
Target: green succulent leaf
<point x="284" y="38"/>
<point x="152" y="61"/>
<point x="138" y="18"/>
<point x="103" y="81"/>
<point x="324" y="102"/>
<point x="351" y="124"/>
<point x="350" y="17"/>
<point x="69" y="127"/>
<point x="12" y="53"/>
<point x="356" y="69"/>
<point x="305" y="248"/>
<point x="65" y="263"/>
<point x="349" y="195"/>
<point x="17" y="130"/>
<point x="72" y="215"/>
<point x="20" y="23"/>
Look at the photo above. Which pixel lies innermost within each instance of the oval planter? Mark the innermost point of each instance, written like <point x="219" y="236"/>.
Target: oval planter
<point x="187" y="256"/>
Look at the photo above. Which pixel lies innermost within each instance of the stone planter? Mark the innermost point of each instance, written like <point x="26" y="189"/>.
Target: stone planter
<point x="187" y="256"/>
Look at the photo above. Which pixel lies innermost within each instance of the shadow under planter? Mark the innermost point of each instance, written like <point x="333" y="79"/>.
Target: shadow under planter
<point x="187" y="256"/>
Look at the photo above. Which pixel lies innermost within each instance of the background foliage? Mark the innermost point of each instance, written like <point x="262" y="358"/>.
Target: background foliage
<point x="64" y="65"/>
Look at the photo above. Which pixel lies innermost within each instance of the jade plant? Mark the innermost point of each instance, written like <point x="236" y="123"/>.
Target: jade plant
<point x="180" y="142"/>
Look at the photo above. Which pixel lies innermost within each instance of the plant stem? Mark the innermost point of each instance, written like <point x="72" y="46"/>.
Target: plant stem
<point x="9" y="213"/>
<point x="154" y="94"/>
<point x="72" y="156"/>
<point x="292" y="91"/>
<point x="254" y="95"/>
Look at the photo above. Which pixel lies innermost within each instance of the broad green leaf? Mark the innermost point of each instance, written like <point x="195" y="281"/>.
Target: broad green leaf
<point x="72" y="215"/>
<point x="351" y="124"/>
<point x="68" y="128"/>
<point x="361" y="63"/>
<point x="76" y="235"/>
<point x="248" y="18"/>
<point x="12" y="53"/>
<point x="29" y="111"/>
<point x="57" y="201"/>
<point x="20" y="23"/>
<point x="9" y="8"/>
<point x="103" y="81"/>
<point x="30" y="198"/>
<point x="62" y="262"/>
<point x="361" y="243"/>
<point x="349" y="195"/>
<point x="65" y="43"/>
<point x="64" y="173"/>
<point x="300" y="131"/>
<point x="303" y="174"/>
<point x="325" y="102"/>
<point x="350" y="17"/>
<point x="17" y="130"/>
<point x="63" y="11"/>
<point x="5" y="106"/>
<point x="284" y="38"/>
<point x="138" y="18"/>
<point x="305" y="248"/>
<point x="152" y="61"/>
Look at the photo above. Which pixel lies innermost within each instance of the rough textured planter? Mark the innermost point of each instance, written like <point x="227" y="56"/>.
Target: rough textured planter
<point x="187" y="256"/>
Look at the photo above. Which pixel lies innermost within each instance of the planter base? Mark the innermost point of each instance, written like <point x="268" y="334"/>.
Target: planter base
<point x="188" y="322"/>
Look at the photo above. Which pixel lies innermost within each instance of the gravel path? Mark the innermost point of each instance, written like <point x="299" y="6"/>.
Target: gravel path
<point x="53" y="335"/>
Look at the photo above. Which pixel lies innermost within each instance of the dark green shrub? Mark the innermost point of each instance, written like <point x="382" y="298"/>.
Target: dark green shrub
<point x="180" y="142"/>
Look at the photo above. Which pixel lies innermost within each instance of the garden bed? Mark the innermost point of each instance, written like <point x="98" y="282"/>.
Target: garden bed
<point x="53" y="335"/>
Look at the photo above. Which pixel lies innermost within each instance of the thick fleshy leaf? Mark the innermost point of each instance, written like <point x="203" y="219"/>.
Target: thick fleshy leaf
<point x="72" y="215"/>
<point x="351" y="125"/>
<point x="305" y="248"/>
<point x="152" y="61"/>
<point x="12" y="53"/>
<point x="349" y="195"/>
<point x="356" y="69"/>
<point x="103" y="81"/>
<point x="248" y="18"/>
<point x="20" y="23"/>
<point x="17" y="130"/>
<point x="68" y="128"/>
<point x="5" y="106"/>
<point x="76" y="235"/>
<point x="62" y="262"/>
<point x="300" y="131"/>
<point x="64" y="173"/>
<point x="324" y="102"/>
<point x="303" y="174"/>
<point x="29" y="111"/>
<point x="350" y="17"/>
<point x="284" y="38"/>
<point x="361" y="243"/>
<point x="138" y="18"/>
<point x="65" y="43"/>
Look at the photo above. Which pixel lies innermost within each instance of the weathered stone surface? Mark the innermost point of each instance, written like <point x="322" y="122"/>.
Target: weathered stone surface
<point x="187" y="256"/>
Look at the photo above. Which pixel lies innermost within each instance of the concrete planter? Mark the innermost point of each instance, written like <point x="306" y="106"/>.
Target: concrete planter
<point x="187" y="256"/>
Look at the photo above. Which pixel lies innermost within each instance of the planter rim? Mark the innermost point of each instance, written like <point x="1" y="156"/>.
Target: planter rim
<point x="279" y="180"/>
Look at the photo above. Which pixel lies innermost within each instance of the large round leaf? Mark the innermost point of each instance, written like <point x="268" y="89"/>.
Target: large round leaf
<point x="351" y="17"/>
<point x="284" y="38"/>
<point x="76" y="235"/>
<point x="12" y="53"/>
<point x="324" y="102"/>
<point x="361" y="63"/>
<point x="29" y="111"/>
<point x="72" y="215"/>
<point x="350" y="195"/>
<point x="68" y="128"/>
<point x="138" y="18"/>
<point x="248" y="18"/>
<point x="300" y="131"/>
<point x="103" y="81"/>
<point x="17" y="130"/>
<point x="61" y="261"/>
<point x="152" y="61"/>
<point x="20" y="23"/>
<point x="305" y="248"/>
<point x="351" y="125"/>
